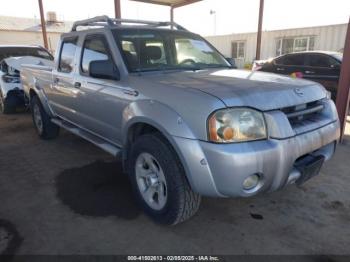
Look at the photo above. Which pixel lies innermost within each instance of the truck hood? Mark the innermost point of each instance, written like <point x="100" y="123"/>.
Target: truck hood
<point x="263" y="91"/>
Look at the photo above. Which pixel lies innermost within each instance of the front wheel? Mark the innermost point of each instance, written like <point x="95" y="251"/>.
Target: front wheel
<point x="42" y="121"/>
<point x="159" y="181"/>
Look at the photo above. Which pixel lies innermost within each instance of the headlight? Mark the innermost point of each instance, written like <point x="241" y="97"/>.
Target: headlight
<point x="236" y="125"/>
<point x="11" y="79"/>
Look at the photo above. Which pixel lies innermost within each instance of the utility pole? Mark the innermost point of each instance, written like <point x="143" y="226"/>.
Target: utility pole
<point x="343" y="93"/>
<point x="258" y="40"/>
<point x="117" y="10"/>
<point x="43" y="23"/>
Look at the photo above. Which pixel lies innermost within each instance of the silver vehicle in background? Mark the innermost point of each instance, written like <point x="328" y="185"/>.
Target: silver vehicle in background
<point x="185" y="123"/>
<point x="11" y="58"/>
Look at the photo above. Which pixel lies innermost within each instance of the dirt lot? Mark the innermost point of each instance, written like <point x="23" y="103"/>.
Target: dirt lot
<point x="67" y="197"/>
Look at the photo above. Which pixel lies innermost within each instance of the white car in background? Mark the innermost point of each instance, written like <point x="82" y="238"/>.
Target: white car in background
<point x="11" y="59"/>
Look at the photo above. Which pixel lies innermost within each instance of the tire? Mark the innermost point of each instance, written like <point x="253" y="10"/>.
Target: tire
<point x="181" y="202"/>
<point x="42" y="121"/>
<point x="7" y="105"/>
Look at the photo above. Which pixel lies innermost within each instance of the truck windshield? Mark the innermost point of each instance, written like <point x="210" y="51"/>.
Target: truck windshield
<point x="13" y="51"/>
<point x="155" y="50"/>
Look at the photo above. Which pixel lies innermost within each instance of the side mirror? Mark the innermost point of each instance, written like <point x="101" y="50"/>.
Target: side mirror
<point x="104" y="69"/>
<point x="232" y="62"/>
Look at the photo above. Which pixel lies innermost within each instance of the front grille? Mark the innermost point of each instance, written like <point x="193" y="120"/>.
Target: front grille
<point x="304" y="114"/>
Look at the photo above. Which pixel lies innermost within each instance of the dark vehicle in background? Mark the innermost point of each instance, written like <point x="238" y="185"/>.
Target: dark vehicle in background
<point x="11" y="59"/>
<point x="319" y="66"/>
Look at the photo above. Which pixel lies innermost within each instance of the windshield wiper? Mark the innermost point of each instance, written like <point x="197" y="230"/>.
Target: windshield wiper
<point x="190" y="68"/>
<point x="196" y="67"/>
<point x="203" y="65"/>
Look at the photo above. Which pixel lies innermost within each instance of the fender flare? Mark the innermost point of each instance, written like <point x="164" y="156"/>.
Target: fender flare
<point x="156" y="114"/>
<point x="42" y="97"/>
<point x="164" y="119"/>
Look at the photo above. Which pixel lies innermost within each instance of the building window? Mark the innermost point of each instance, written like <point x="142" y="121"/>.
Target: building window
<point x="294" y="44"/>
<point x="238" y="50"/>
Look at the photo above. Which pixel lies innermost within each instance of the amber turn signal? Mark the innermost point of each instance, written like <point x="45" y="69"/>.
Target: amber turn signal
<point x="226" y="133"/>
<point x="213" y="136"/>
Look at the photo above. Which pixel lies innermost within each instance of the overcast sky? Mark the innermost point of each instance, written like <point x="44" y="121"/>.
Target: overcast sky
<point x="232" y="16"/>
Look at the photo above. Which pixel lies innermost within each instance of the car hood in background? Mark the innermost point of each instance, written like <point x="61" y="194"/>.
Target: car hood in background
<point x="263" y="91"/>
<point x="17" y="62"/>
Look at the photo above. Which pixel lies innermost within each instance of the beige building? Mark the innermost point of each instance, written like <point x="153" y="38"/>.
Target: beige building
<point x="242" y="47"/>
<point x="27" y="31"/>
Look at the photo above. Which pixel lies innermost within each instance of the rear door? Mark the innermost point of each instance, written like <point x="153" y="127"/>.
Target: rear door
<point x="324" y="69"/>
<point x="63" y="93"/>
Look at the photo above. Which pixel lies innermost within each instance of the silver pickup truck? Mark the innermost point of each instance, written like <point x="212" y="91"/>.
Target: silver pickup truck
<point x="184" y="122"/>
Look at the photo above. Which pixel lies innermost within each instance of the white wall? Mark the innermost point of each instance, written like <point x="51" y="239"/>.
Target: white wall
<point x="328" y="38"/>
<point x="28" y="38"/>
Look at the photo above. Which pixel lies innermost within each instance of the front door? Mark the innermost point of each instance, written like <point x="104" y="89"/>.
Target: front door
<point x="290" y="64"/>
<point x="102" y="101"/>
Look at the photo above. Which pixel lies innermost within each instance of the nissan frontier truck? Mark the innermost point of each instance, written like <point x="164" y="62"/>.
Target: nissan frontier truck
<point x="184" y="122"/>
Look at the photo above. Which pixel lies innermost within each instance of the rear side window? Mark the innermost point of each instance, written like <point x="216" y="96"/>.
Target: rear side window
<point x="291" y="60"/>
<point x="66" y="64"/>
<point x="322" y="61"/>
<point x="95" y="48"/>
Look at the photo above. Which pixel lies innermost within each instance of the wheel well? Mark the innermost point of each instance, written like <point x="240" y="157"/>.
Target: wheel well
<point x="136" y="130"/>
<point x="139" y="129"/>
<point x="32" y="94"/>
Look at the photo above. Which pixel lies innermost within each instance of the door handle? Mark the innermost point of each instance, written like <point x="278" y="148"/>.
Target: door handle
<point x="77" y="85"/>
<point x="309" y="72"/>
<point x="279" y="69"/>
<point x="131" y="92"/>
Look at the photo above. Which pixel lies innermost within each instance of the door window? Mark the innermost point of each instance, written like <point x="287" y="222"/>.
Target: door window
<point x="291" y="60"/>
<point x="66" y="63"/>
<point x="95" y="48"/>
<point x="322" y="61"/>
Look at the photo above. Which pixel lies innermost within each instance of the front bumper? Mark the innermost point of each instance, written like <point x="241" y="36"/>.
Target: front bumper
<point x="220" y="169"/>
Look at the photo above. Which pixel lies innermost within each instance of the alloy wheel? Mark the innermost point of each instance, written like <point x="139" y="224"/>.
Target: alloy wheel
<point x="37" y="118"/>
<point x="151" y="181"/>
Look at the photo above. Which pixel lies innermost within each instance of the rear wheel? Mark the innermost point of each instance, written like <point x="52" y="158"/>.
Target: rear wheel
<point x="42" y="121"/>
<point x="159" y="181"/>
